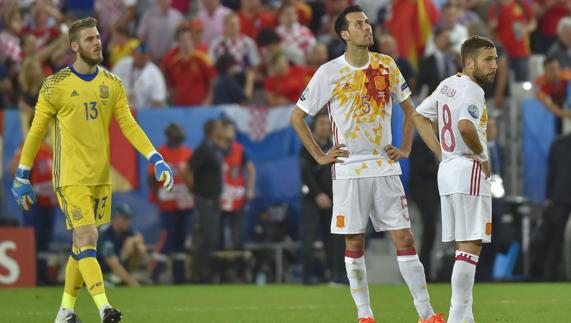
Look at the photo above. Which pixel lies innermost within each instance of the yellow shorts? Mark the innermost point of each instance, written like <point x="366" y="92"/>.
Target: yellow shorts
<point x="83" y="205"/>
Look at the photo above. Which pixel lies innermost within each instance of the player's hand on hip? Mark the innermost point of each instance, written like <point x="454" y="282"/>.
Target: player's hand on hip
<point x="332" y="156"/>
<point x="485" y="164"/>
<point x="163" y="173"/>
<point x="22" y="189"/>
<point x="396" y="154"/>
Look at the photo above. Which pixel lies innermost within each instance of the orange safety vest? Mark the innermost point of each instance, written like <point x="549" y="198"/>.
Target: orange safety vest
<point x="180" y="197"/>
<point x="233" y="195"/>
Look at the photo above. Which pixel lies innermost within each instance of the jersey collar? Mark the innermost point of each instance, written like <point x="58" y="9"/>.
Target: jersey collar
<point x="85" y="77"/>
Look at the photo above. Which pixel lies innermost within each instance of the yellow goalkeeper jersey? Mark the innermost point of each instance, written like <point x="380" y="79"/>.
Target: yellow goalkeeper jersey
<point x="81" y="107"/>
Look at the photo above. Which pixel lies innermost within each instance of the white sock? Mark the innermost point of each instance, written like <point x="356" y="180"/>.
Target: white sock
<point x="357" y="274"/>
<point x="412" y="271"/>
<point x="468" y="313"/>
<point x="462" y="285"/>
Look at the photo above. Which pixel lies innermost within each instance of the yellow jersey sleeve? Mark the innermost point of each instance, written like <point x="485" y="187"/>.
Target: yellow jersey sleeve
<point x="44" y="114"/>
<point x="128" y="125"/>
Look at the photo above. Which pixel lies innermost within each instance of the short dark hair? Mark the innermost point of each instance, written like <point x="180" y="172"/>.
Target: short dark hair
<point x="224" y="63"/>
<point x="472" y="45"/>
<point x="341" y="23"/>
<point x="78" y="26"/>
<point x="209" y="127"/>
<point x="550" y="59"/>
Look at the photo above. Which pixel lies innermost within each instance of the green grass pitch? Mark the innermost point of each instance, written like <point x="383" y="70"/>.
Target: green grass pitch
<point x="518" y="303"/>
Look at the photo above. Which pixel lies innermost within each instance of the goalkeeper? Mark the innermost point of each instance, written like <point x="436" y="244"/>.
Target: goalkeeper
<point x="79" y="101"/>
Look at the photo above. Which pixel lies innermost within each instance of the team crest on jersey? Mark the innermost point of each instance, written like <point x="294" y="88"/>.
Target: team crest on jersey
<point x="340" y="221"/>
<point x="473" y="111"/>
<point x="76" y="213"/>
<point x="103" y="91"/>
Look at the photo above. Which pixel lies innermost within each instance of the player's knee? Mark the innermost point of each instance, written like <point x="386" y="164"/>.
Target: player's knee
<point x="355" y="243"/>
<point x="85" y="236"/>
<point x="404" y="240"/>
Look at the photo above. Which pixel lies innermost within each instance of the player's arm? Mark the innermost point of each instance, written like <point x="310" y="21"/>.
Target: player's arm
<point x="407" y="132"/>
<point x="139" y="139"/>
<point x="118" y="269"/>
<point x="423" y="119"/>
<point x="45" y="113"/>
<point x="300" y="126"/>
<point x="470" y="137"/>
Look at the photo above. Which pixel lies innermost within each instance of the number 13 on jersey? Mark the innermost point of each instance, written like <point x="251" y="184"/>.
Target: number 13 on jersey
<point x="91" y="111"/>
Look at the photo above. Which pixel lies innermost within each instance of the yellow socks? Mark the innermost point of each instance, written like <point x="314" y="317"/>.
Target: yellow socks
<point x="73" y="281"/>
<point x="91" y="272"/>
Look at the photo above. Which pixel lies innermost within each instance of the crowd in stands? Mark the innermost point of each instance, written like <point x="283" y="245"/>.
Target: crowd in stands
<point x="263" y="52"/>
<point x="190" y="53"/>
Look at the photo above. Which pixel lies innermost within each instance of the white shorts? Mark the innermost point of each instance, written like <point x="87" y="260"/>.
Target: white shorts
<point x="466" y="217"/>
<point x="381" y="199"/>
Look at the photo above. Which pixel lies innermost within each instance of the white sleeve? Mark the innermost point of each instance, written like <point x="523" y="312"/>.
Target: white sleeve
<point x="316" y="94"/>
<point x="428" y="108"/>
<point x="399" y="88"/>
<point x="253" y="55"/>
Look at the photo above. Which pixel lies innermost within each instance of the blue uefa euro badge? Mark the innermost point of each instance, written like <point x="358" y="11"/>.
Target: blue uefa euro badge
<point x="473" y="111"/>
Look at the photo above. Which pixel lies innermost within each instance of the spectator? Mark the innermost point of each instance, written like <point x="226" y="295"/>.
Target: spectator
<point x="253" y="18"/>
<point x="186" y="68"/>
<point x="30" y="80"/>
<point x="552" y="90"/>
<point x="182" y="6"/>
<point x="561" y="49"/>
<point x="388" y="46"/>
<point x="6" y="89"/>
<point x="549" y="13"/>
<point x="113" y="14"/>
<point x="175" y="206"/>
<point x="197" y="29"/>
<point x="45" y="29"/>
<point x="212" y="14"/>
<point x="438" y="65"/>
<point x="270" y="44"/>
<point x="206" y="165"/>
<point x="143" y="80"/>
<point x="557" y="203"/>
<point x="158" y="28"/>
<point x="242" y="47"/>
<point x="238" y="189"/>
<point x="121" y="249"/>
<point x="424" y="192"/>
<point x="291" y="32"/>
<point x="227" y="88"/>
<point x="466" y="14"/>
<point x="285" y="83"/>
<point x="512" y="21"/>
<point x="316" y="205"/>
<point x="317" y="56"/>
<point x="457" y="33"/>
<point x="42" y="215"/>
<point x="411" y="40"/>
<point x="10" y="49"/>
<point x="303" y="10"/>
<point x="121" y="45"/>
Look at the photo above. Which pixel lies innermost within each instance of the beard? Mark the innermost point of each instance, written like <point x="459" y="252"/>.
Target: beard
<point x="482" y="78"/>
<point x="89" y="58"/>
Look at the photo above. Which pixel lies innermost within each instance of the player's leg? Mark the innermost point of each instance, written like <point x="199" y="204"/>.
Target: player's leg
<point x="72" y="287"/>
<point x="352" y="202"/>
<point x="390" y="212"/>
<point x="164" y="247"/>
<point x="471" y="226"/>
<point x="179" y="254"/>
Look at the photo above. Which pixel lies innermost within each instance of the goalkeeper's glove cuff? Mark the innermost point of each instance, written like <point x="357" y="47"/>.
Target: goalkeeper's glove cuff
<point x="155" y="157"/>
<point x="23" y="172"/>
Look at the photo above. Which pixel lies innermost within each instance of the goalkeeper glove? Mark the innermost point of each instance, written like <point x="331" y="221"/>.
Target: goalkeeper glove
<point x="22" y="188"/>
<point x="162" y="171"/>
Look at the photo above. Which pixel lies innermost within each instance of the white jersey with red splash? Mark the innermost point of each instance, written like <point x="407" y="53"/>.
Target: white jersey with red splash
<point x="458" y="98"/>
<point x="359" y="101"/>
